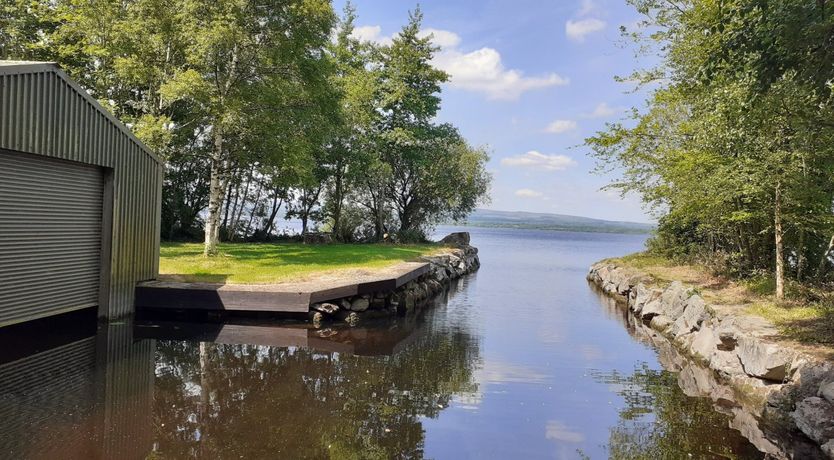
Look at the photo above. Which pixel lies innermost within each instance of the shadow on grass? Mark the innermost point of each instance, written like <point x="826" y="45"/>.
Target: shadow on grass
<point x="197" y="277"/>
<point x="818" y="330"/>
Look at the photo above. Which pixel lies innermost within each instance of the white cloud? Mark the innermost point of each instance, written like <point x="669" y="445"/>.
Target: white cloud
<point x="558" y="431"/>
<point x="442" y="38"/>
<point x="577" y="30"/>
<point x="370" y="34"/>
<point x="528" y="193"/>
<point x="534" y="159"/>
<point x="603" y="110"/>
<point x="480" y="71"/>
<point x="560" y="126"/>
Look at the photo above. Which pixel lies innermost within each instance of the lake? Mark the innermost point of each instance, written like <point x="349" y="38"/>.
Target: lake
<point x="520" y="360"/>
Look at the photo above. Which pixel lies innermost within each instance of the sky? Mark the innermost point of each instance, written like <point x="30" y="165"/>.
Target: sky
<point x="530" y="80"/>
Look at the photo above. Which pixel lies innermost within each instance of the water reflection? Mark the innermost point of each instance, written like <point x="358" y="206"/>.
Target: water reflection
<point x="69" y="392"/>
<point x="685" y="409"/>
<point x="216" y="400"/>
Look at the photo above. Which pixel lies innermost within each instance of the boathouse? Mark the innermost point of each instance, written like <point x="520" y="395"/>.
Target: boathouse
<point x="80" y="200"/>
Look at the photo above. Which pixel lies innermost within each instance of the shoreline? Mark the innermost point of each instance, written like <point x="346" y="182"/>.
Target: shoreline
<point x="785" y="390"/>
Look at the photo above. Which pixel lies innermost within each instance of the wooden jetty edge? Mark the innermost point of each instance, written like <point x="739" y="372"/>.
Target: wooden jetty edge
<point x="283" y="298"/>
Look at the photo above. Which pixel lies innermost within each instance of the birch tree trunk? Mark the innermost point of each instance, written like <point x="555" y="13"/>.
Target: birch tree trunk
<point x="215" y="195"/>
<point x="780" y="256"/>
<point x="824" y="258"/>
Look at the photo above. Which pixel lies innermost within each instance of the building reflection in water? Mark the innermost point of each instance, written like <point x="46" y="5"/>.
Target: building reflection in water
<point x="296" y="392"/>
<point x="162" y="389"/>
<point x="70" y="391"/>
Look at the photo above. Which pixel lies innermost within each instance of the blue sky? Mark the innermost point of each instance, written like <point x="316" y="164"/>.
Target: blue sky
<point x="530" y="79"/>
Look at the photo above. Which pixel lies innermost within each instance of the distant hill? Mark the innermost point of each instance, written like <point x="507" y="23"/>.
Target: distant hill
<point x="534" y="220"/>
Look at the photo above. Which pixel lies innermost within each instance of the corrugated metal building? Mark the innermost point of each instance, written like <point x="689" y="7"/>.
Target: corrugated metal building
<point x="80" y="200"/>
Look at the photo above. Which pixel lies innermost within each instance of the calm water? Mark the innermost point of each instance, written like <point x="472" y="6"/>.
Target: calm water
<point x="521" y="360"/>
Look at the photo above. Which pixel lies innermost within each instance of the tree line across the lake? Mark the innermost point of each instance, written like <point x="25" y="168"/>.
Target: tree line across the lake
<point x="261" y="107"/>
<point x="735" y="150"/>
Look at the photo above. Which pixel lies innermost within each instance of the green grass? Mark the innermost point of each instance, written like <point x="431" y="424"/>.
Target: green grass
<point x="807" y="323"/>
<point x="254" y="263"/>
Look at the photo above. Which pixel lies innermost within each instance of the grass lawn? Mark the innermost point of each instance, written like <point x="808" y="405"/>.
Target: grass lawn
<point x="804" y="316"/>
<point x="255" y="263"/>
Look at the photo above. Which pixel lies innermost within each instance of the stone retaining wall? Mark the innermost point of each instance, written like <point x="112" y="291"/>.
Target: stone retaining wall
<point x="784" y="386"/>
<point x="444" y="269"/>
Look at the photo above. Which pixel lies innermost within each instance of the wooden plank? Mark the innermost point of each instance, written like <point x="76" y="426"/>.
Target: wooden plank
<point x="220" y="299"/>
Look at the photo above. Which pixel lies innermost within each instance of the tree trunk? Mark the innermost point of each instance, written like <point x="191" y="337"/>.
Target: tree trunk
<point x="778" y="234"/>
<point x="824" y="258"/>
<point x="215" y="195"/>
<point x="276" y="205"/>
<point x="252" y="214"/>
<point x="800" y="258"/>
<point x="337" y="209"/>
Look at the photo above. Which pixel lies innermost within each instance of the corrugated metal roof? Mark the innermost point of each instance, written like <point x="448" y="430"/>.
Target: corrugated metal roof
<point x="24" y="67"/>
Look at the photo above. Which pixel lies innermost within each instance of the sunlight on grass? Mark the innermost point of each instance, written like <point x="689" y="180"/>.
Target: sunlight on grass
<point x="242" y="263"/>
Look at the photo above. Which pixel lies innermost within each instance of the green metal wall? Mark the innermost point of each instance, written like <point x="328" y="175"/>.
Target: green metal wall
<point x="43" y="112"/>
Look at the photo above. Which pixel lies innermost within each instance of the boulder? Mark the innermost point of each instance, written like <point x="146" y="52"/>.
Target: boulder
<point x="826" y="392"/>
<point x="643" y="295"/>
<point x="457" y="239"/>
<point x="764" y="360"/>
<point x="694" y="314"/>
<point x="360" y="304"/>
<point x="814" y="416"/>
<point x="703" y="345"/>
<point x="652" y="309"/>
<point x="673" y="300"/>
<point x="660" y="323"/>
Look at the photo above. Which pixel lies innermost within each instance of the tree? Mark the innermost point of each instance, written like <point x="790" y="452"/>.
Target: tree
<point x="246" y="60"/>
<point x="429" y="163"/>
<point x="735" y="144"/>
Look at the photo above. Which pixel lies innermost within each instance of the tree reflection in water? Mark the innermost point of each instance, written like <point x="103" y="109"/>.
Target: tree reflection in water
<point x="659" y="421"/>
<point x="244" y="401"/>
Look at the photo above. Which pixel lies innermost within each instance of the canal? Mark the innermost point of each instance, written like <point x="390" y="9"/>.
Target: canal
<point x="520" y="360"/>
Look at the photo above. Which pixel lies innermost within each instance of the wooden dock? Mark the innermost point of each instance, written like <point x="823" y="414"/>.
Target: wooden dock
<point x="168" y="294"/>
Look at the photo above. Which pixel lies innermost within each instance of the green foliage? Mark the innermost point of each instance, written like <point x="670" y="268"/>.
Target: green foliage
<point x="266" y="105"/>
<point x="734" y="151"/>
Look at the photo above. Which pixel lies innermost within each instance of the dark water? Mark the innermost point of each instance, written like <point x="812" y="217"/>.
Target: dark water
<point x="521" y="360"/>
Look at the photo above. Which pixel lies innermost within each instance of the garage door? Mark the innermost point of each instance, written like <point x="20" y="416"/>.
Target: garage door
<point x="50" y="236"/>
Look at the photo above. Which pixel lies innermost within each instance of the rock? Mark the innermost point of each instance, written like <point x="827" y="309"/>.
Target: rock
<point x="726" y="363"/>
<point x="345" y="303"/>
<point x="694" y="314"/>
<point x="456" y="239"/>
<point x="727" y="336"/>
<point x="828" y="448"/>
<point x="673" y="300"/>
<point x="326" y="308"/>
<point x="660" y="323"/>
<point x="643" y="296"/>
<point x="360" y="304"/>
<point x="827" y="392"/>
<point x="703" y="346"/>
<point x="814" y="416"/>
<point x="764" y="360"/>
